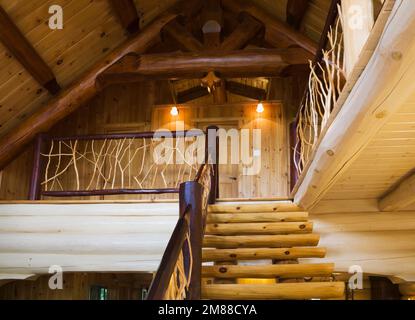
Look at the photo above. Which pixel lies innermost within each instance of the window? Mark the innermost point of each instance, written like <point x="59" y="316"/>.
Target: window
<point x="98" y="293"/>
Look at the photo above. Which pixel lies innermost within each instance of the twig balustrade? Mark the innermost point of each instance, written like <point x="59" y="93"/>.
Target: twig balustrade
<point x="325" y="83"/>
<point x="110" y="164"/>
<point x="179" y="273"/>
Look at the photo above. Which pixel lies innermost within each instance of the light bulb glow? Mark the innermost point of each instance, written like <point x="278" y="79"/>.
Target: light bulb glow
<point x="260" y="108"/>
<point x="174" y="111"/>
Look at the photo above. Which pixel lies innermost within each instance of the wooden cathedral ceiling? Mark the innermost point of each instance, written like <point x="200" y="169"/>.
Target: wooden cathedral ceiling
<point x="55" y="59"/>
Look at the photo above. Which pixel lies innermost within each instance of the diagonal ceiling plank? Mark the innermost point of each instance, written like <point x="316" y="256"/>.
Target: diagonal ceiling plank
<point x="296" y="9"/>
<point x="247" y="29"/>
<point x="24" y="52"/>
<point x="79" y="92"/>
<point x="272" y="26"/>
<point x="127" y="14"/>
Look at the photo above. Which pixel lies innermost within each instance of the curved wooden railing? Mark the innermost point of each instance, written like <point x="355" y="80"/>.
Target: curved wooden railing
<point x="179" y="274"/>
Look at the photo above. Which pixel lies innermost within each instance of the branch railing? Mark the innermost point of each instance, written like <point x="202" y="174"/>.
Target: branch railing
<point x="113" y="164"/>
<point x="179" y="274"/>
<point x="325" y="83"/>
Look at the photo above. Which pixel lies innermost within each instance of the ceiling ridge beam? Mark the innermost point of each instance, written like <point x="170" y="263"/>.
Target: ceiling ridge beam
<point x="14" y="40"/>
<point x="192" y="65"/>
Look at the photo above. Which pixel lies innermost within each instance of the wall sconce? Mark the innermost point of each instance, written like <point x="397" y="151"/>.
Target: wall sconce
<point x="260" y="107"/>
<point x="174" y="111"/>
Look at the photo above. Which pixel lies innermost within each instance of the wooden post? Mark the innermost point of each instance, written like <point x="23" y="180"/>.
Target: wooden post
<point x="294" y="157"/>
<point x="191" y="200"/>
<point x="212" y="150"/>
<point x="35" y="183"/>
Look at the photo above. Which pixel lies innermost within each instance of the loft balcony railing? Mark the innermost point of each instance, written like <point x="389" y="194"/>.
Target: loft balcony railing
<point x="179" y="274"/>
<point x="328" y="79"/>
<point x="113" y="164"/>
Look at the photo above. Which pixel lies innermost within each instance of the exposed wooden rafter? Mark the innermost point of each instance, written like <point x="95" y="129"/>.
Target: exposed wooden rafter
<point x="247" y="29"/>
<point x="24" y="52"/>
<point x="127" y="13"/>
<point x="232" y="64"/>
<point x="77" y="94"/>
<point x="296" y="10"/>
<point x="274" y="29"/>
<point x="180" y="34"/>
<point x="401" y="197"/>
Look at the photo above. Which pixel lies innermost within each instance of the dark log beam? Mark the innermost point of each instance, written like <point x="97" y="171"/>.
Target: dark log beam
<point x="191" y="94"/>
<point x="180" y="34"/>
<point x="247" y="29"/>
<point x="212" y="19"/>
<point x="274" y="29"/>
<point x="296" y="10"/>
<point x="24" y="52"/>
<point x="77" y="94"/>
<point x="246" y="91"/>
<point x="127" y="14"/>
<point x="232" y="64"/>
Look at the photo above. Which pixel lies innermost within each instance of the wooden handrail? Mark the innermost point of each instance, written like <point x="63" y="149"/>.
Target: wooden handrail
<point x="168" y="262"/>
<point x="194" y="197"/>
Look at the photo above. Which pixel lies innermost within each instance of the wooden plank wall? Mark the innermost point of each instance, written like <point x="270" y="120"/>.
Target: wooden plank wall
<point x="124" y="108"/>
<point x="77" y="286"/>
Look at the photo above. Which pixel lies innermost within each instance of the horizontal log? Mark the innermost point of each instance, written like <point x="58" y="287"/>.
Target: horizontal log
<point x="258" y="228"/>
<point x="76" y="243"/>
<point x="254" y="207"/>
<point x="193" y="65"/>
<point x="262" y="254"/>
<point x="62" y="208"/>
<point x="283" y="271"/>
<point x="401" y="197"/>
<point x="88" y="224"/>
<point x="72" y="262"/>
<point x="290" y="291"/>
<point x="257" y="217"/>
<point x="270" y="241"/>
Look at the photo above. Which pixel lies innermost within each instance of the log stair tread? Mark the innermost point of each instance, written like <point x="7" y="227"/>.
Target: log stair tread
<point x="278" y="232"/>
<point x="278" y="291"/>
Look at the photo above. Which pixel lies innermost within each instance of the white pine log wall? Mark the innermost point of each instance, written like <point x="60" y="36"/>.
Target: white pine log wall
<point x="381" y="243"/>
<point x="83" y="237"/>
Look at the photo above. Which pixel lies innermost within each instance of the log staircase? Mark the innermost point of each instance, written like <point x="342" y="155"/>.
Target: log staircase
<point x="263" y="241"/>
